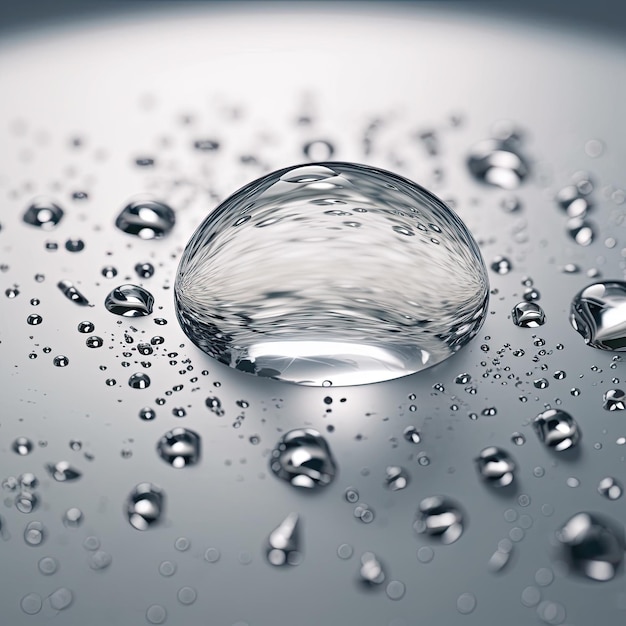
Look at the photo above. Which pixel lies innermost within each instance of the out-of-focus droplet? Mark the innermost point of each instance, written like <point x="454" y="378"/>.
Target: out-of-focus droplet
<point x="144" y="506"/>
<point x="71" y="292"/>
<point x="556" y="429"/>
<point x="495" y="466"/>
<point x="498" y="162"/>
<point x="371" y="571"/>
<point x="614" y="400"/>
<point x="44" y="214"/>
<point x="139" y="380"/>
<point x="501" y="265"/>
<point x="179" y="447"/>
<point x="22" y="446"/>
<point x="610" y="488"/>
<point x="439" y="517"/>
<point x="284" y="542"/>
<point x="63" y="472"/>
<point x="396" y="478"/>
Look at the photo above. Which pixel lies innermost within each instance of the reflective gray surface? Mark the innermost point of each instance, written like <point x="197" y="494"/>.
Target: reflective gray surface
<point x="82" y="105"/>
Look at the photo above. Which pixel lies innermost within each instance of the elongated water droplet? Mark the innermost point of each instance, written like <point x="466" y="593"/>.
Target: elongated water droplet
<point x="614" y="400"/>
<point x="528" y="315"/>
<point x="179" y="447"/>
<point x="498" y="163"/>
<point x="44" y="214"/>
<point x="283" y="544"/>
<point x="439" y="517"/>
<point x="144" y="506"/>
<point x="372" y="571"/>
<point x="302" y="457"/>
<point x="581" y="231"/>
<point x="557" y="429"/>
<point x="598" y="313"/>
<point x="276" y="284"/>
<point x="129" y="301"/>
<point x="63" y="471"/>
<point x="573" y="202"/>
<point x="147" y="219"/>
<point x="495" y="466"/>
<point x="593" y="545"/>
<point x="69" y="290"/>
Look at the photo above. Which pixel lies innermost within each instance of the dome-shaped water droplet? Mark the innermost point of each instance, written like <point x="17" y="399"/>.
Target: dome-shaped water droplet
<point x="411" y="434"/>
<point x="276" y="283"/>
<point x="495" y="466"/>
<point x="580" y="230"/>
<point x="179" y="447"/>
<point x="302" y="457"/>
<point x="528" y="315"/>
<point x="593" y="545"/>
<point x="283" y="544"/>
<point x="439" y="517"/>
<point x="63" y="471"/>
<point x="22" y="446"/>
<point x="498" y="162"/>
<point x="61" y="598"/>
<point x="34" y="533"/>
<point x="598" y="313"/>
<point x="396" y="478"/>
<point x="129" y="301"/>
<point x="44" y="214"/>
<point x="139" y="380"/>
<point x="614" y="400"/>
<point x="556" y="429"/>
<point x="610" y="488"/>
<point x="144" y="506"/>
<point x="147" y="219"/>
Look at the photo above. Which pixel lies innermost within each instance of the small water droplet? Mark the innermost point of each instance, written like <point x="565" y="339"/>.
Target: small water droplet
<point x="528" y="315"/>
<point x="144" y="506"/>
<point x="34" y="319"/>
<point x="139" y="380"/>
<point x="439" y="517"/>
<point x="34" y="533"/>
<point x="31" y="603"/>
<point x="466" y="603"/>
<point x="518" y="439"/>
<point x="396" y="478"/>
<point x="179" y="447"/>
<point x="303" y="458"/>
<point x="283" y="543"/>
<point x="86" y="327"/>
<point x="63" y="471"/>
<point x="610" y="488"/>
<point x="557" y="429"/>
<point x="495" y="466"/>
<point x="22" y="446"/>
<point x="146" y="219"/>
<point x="614" y="400"/>
<point x="99" y="560"/>
<point x="44" y="214"/>
<point x="26" y="502"/>
<point x="74" y="245"/>
<point x="48" y="565"/>
<point x="71" y="292"/>
<point x="61" y="361"/>
<point x="581" y="231"/>
<point x="144" y="270"/>
<point x="129" y="301"/>
<point x="156" y="614"/>
<point x="318" y="150"/>
<point x="498" y="162"/>
<point x="73" y="517"/>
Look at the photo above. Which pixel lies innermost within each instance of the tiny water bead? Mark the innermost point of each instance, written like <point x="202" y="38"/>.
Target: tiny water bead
<point x="598" y="313"/>
<point x="22" y="446"/>
<point x="280" y="282"/>
<point x="303" y="458"/>
<point x="557" y="429"/>
<point x="63" y="472"/>
<point x="371" y="571"/>
<point x="129" y="301"/>
<point x="139" y="380"/>
<point x="146" y="219"/>
<point x="610" y="488"/>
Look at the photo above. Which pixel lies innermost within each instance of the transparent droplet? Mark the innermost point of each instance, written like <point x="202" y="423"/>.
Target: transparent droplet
<point x="580" y="230"/>
<point x="156" y="614"/>
<point x="63" y="471"/>
<point x="129" y="301"/>
<point x="147" y="414"/>
<point x="528" y="315"/>
<point x="610" y="488"/>
<point x="614" y="400"/>
<point x="48" y="565"/>
<point x="593" y="545"/>
<point x="73" y="517"/>
<point x="573" y="202"/>
<point x="274" y="285"/>
<point x="94" y="341"/>
<point x="541" y="383"/>
<point x="439" y="517"/>
<point x="411" y="434"/>
<point x="495" y="466"/>
<point x="501" y="265"/>
<point x="372" y="571"/>
<point x="70" y="291"/>
<point x="303" y="458"/>
<point x="396" y="478"/>
<point x="318" y="150"/>
<point x="22" y="446"/>
<point x="518" y="439"/>
<point x="498" y="162"/>
<point x="34" y="533"/>
<point x="74" y="245"/>
<point x="31" y="603"/>
<point x="34" y="319"/>
<point x="556" y="429"/>
<point x="395" y="590"/>
<point x="364" y="512"/>
<point x="100" y="560"/>
<point x="144" y="506"/>
<point x="44" y="214"/>
<point x="466" y="603"/>
<point x="144" y="270"/>
<point x="86" y="327"/>
<point x="351" y="495"/>
<point x="598" y="313"/>
<point x="61" y="361"/>
<point x="179" y="447"/>
<point x="109" y="271"/>
<point x="146" y="219"/>
<point x="61" y="599"/>
<point x="283" y="544"/>
<point x="26" y="502"/>
<point x="139" y="380"/>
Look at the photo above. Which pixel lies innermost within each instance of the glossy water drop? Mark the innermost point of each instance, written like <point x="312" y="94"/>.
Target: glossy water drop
<point x="498" y="162"/>
<point x="275" y="284"/>
<point x="495" y="466"/>
<point x="411" y="434"/>
<point x="86" y="327"/>
<point x="371" y="571"/>
<point x="581" y="231"/>
<point x="129" y="301"/>
<point x="146" y="219"/>
<point x="94" y="341"/>
<point x="528" y="315"/>
<point x="501" y="265"/>
<point x="439" y="517"/>
<point x="44" y="214"/>
<point x="22" y="446"/>
<point x="318" y="150"/>
<point x="144" y="506"/>
<point x="26" y="502"/>
<point x="556" y="429"/>
<point x="614" y="400"/>
<point x="179" y="447"/>
<point x="610" y="488"/>
<point x="61" y="361"/>
<point x="70" y="291"/>
<point x="283" y="544"/>
<point x="573" y="202"/>
<point x="396" y="478"/>
<point x="63" y="472"/>
<point x="598" y="313"/>
<point x="34" y="319"/>
<point x="593" y="545"/>
<point x="303" y="458"/>
<point x="144" y="270"/>
<point x="139" y="380"/>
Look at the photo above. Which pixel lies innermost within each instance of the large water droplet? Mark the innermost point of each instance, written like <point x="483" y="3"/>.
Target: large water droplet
<point x="144" y="506"/>
<point x="439" y="517"/>
<point x="129" y="301"/>
<point x="179" y="447"/>
<point x="557" y="429"/>
<point x="139" y="380"/>
<point x="43" y="213"/>
<point x="593" y="545"/>
<point x="396" y="478"/>
<point x="147" y="219"/>
<point x="496" y="466"/>
<point x="598" y="313"/>
<point x="498" y="162"/>
<point x="283" y="544"/>
<point x="302" y="457"/>
<point x="279" y="281"/>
